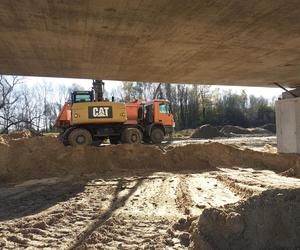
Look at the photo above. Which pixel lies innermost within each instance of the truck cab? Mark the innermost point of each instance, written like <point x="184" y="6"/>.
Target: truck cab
<point x="158" y="113"/>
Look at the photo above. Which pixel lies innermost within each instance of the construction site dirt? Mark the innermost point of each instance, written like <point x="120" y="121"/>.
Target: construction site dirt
<point x="232" y="193"/>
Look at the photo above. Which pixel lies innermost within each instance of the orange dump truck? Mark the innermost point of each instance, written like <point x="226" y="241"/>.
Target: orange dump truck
<point x="85" y="121"/>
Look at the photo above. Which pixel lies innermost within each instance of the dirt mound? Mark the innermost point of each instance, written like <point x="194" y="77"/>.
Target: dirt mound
<point x="270" y="127"/>
<point x="219" y="127"/>
<point x="260" y="131"/>
<point x="270" y="220"/>
<point x="206" y="132"/>
<point x="43" y="157"/>
<point x="270" y="149"/>
<point x="229" y="129"/>
<point x="16" y="135"/>
<point x="2" y="140"/>
<point x="185" y="133"/>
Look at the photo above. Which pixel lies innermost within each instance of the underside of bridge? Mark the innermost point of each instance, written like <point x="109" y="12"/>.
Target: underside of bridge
<point x="205" y="41"/>
<point x="222" y="187"/>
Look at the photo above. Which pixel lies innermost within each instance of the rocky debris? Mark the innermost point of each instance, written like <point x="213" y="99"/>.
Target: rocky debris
<point x="270" y="220"/>
<point x="206" y="132"/>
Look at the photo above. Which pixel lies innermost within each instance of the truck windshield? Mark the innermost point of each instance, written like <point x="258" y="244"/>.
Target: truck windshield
<point x="164" y="108"/>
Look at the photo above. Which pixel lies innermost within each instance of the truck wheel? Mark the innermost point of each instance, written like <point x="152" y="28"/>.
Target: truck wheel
<point x="131" y="136"/>
<point x="114" y="140"/>
<point x="80" y="137"/>
<point x="157" y="135"/>
<point x="65" y="136"/>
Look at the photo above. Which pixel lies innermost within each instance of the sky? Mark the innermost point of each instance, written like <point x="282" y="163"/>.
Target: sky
<point x="86" y="84"/>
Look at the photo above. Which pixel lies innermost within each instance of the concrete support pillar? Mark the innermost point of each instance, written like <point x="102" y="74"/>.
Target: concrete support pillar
<point x="288" y="125"/>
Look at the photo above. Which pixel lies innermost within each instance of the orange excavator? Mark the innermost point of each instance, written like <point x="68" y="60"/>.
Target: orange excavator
<point x="88" y="119"/>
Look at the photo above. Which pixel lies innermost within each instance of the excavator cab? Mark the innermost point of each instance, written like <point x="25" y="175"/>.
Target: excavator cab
<point x="89" y="96"/>
<point x="82" y="96"/>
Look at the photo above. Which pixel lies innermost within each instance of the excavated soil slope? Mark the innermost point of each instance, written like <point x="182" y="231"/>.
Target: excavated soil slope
<point x="43" y="157"/>
<point x="142" y="210"/>
<point x="270" y="220"/>
<point x="206" y="131"/>
<point x="203" y="196"/>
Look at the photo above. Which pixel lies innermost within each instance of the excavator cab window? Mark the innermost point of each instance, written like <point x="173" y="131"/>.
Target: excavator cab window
<point x="82" y="96"/>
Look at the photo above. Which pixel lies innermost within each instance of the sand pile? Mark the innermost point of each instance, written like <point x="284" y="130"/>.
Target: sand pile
<point x="270" y="220"/>
<point x="261" y="131"/>
<point x="4" y="138"/>
<point x="206" y="132"/>
<point x="42" y="157"/>
<point x="229" y="129"/>
<point x="270" y="127"/>
<point x="236" y="130"/>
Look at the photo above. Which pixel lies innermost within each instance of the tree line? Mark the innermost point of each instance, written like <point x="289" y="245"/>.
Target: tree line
<point x="30" y="107"/>
<point x="195" y="105"/>
<point x="36" y="107"/>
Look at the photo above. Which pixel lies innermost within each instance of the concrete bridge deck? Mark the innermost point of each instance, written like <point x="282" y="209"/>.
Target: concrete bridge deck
<point x="214" y="42"/>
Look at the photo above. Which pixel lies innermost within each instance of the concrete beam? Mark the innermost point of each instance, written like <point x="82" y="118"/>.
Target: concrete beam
<point x="288" y="125"/>
<point x="203" y="41"/>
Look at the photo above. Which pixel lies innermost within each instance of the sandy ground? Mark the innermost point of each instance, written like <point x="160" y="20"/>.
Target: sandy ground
<point x="122" y="212"/>
<point x="255" y="142"/>
<point x="140" y="208"/>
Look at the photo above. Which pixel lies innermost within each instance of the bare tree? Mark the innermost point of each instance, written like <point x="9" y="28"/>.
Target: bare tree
<point x="204" y="94"/>
<point x="158" y="91"/>
<point x="31" y="111"/>
<point x="63" y="95"/>
<point x="8" y="102"/>
<point x="7" y="86"/>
